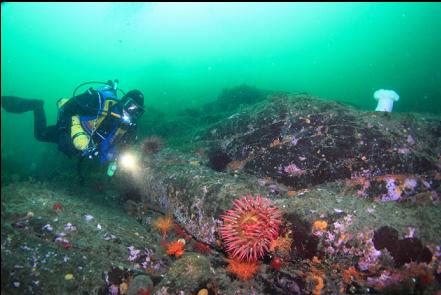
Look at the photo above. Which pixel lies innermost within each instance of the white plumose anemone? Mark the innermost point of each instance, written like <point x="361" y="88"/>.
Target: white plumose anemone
<point x="386" y="99"/>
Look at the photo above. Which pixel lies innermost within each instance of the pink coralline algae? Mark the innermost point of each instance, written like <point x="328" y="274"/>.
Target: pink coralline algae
<point x="337" y="238"/>
<point x="144" y="258"/>
<point x="336" y="242"/>
<point x="292" y="169"/>
<point x="371" y="256"/>
<point x="398" y="280"/>
<point x="386" y="278"/>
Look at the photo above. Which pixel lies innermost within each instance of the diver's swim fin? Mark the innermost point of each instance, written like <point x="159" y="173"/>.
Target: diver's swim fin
<point x="14" y="104"/>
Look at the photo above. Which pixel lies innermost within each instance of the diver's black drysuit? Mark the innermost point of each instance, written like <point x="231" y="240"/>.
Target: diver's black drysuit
<point x="85" y="104"/>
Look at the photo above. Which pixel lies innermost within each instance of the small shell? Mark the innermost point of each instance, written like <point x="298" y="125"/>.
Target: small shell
<point x="88" y="217"/>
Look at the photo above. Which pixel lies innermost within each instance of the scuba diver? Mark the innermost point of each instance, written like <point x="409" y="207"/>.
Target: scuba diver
<point x="94" y="124"/>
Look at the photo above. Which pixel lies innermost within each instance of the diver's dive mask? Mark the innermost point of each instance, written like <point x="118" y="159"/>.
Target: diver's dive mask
<point x="131" y="111"/>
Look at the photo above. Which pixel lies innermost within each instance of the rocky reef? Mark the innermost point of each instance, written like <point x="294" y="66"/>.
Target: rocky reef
<point x="358" y="192"/>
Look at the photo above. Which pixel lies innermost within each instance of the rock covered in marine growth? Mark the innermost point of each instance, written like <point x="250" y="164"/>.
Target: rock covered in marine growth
<point x="187" y="274"/>
<point x="300" y="141"/>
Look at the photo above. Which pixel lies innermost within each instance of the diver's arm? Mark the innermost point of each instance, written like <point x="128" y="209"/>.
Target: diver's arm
<point x="130" y="137"/>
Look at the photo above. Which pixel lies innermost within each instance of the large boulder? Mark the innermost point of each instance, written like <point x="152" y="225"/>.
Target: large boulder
<point x="281" y="145"/>
<point x="299" y="141"/>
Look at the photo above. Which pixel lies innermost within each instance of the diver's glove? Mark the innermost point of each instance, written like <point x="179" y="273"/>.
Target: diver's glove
<point x="112" y="168"/>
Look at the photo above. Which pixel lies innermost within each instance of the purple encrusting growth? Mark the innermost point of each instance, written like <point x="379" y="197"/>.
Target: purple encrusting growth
<point x="386" y="278"/>
<point x="395" y="191"/>
<point x="133" y="253"/>
<point x="370" y="256"/>
<point x="113" y="289"/>
<point x="437" y="256"/>
<point x="294" y="140"/>
<point x="292" y="169"/>
<point x="410" y="183"/>
<point x="144" y="258"/>
<point x="392" y="192"/>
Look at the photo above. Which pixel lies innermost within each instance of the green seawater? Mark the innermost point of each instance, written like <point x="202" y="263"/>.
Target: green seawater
<point x="181" y="55"/>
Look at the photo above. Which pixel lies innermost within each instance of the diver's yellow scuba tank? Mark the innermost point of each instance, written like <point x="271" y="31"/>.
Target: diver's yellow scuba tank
<point x="61" y="102"/>
<point x="80" y="138"/>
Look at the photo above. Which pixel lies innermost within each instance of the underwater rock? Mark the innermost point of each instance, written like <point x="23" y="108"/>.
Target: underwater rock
<point x="41" y="226"/>
<point x="385" y="237"/>
<point x="175" y="127"/>
<point x="402" y="250"/>
<point x="117" y="275"/>
<point x="300" y="141"/>
<point x="151" y="144"/>
<point x="411" y="249"/>
<point x="39" y="258"/>
<point x="271" y="149"/>
<point x="283" y="283"/>
<point x="218" y="160"/>
<point x="187" y="274"/>
<point x="304" y="243"/>
<point x="140" y="282"/>
<point x="281" y="144"/>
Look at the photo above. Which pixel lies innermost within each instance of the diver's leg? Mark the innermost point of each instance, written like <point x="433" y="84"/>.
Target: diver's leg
<point x="48" y="134"/>
<point x="41" y="131"/>
<point x="80" y="170"/>
<point x="18" y="105"/>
